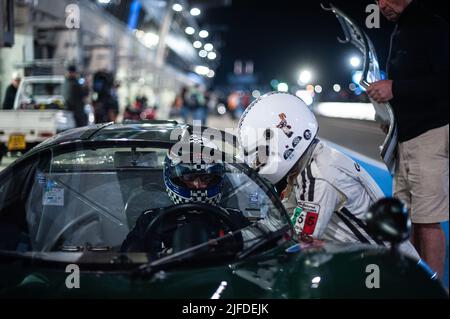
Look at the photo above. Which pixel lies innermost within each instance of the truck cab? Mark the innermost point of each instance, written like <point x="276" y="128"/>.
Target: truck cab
<point x="39" y="113"/>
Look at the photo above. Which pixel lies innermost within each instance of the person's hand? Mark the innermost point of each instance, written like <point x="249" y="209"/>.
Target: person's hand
<point x="307" y="241"/>
<point x="381" y="91"/>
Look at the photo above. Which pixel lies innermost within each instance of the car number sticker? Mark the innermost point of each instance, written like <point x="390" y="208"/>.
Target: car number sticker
<point x="53" y="197"/>
<point x="305" y="218"/>
<point x="298" y="220"/>
<point x="310" y="223"/>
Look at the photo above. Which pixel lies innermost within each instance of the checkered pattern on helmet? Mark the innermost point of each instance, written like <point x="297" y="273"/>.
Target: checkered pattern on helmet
<point x="200" y="167"/>
<point x="195" y="139"/>
<point x="196" y="197"/>
<point x="214" y="200"/>
<point x="177" y="199"/>
<point x="199" y="196"/>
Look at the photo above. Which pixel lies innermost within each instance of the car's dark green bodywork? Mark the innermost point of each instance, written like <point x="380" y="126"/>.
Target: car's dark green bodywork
<point x="278" y="270"/>
<point x="274" y="274"/>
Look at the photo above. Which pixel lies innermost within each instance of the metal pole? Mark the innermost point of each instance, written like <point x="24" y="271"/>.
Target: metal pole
<point x="2" y="24"/>
<point x="163" y="33"/>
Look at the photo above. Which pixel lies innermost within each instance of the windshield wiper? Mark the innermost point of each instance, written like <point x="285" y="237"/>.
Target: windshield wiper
<point x="196" y="251"/>
<point x="268" y="238"/>
<point x="193" y="252"/>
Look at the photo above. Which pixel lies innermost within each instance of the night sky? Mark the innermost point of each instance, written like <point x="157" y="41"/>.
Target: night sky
<point x="282" y="36"/>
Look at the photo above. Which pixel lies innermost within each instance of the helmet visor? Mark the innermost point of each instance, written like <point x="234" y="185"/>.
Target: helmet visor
<point x="196" y="177"/>
<point x="198" y="181"/>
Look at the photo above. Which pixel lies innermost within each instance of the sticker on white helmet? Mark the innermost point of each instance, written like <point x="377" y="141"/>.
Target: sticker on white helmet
<point x="307" y="135"/>
<point x="284" y="126"/>
<point x="296" y="141"/>
<point x="289" y="154"/>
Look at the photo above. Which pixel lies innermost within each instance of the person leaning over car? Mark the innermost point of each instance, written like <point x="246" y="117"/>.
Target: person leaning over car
<point x="418" y="92"/>
<point x="327" y="193"/>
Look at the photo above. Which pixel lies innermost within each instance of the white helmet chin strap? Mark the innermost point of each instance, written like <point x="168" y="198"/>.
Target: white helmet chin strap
<point x="305" y="160"/>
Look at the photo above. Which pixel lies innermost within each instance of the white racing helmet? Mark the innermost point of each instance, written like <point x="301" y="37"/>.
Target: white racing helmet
<point x="274" y="133"/>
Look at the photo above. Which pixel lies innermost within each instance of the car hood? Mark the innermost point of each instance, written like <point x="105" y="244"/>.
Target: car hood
<point x="319" y="271"/>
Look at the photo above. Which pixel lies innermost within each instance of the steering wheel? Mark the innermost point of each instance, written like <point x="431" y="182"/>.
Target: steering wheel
<point x="229" y="219"/>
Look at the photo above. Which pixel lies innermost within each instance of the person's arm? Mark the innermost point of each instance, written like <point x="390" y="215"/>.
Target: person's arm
<point x="68" y="95"/>
<point x="318" y="201"/>
<point x="8" y="102"/>
<point x="135" y="239"/>
<point x="5" y="102"/>
<point x="437" y="52"/>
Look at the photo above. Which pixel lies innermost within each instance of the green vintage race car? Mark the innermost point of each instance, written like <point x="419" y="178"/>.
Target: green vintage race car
<point x="67" y="206"/>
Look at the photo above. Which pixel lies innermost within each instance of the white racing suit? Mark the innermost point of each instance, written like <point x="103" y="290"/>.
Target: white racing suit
<point x="331" y="197"/>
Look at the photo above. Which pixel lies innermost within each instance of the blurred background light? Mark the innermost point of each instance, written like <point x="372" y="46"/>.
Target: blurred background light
<point x="256" y="94"/>
<point x="283" y="87"/>
<point x="190" y="30"/>
<point x="203" y="34"/>
<point x="177" y="7"/>
<point x="221" y="109"/>
<point x="209" y="47"/>
<point x="318" y="89"/>
<point x="140" y="34"/>
<point x="212" y="55"/>
<point x="305" y="77"/>
<point x="355" y="62"/>
<point x="357" y="111"/>
<point x="202" y="70"/>
<point x="310" y="88"/>
<point x="198" y="44"/>
<point x="274" y="83"/>
<point x="150" y="39"/>
<point x="196" y="12"/>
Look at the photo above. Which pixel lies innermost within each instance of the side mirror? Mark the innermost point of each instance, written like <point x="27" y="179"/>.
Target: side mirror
<point x="388" y="220"/>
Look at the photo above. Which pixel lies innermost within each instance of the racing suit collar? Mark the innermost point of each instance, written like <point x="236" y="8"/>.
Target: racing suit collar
<point x="309" y="155"/>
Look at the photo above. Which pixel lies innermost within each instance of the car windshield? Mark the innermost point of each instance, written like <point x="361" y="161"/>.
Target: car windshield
<point x="43" y="89"/>
<point x="90" y="199"/>
<point x="42" y="95"/>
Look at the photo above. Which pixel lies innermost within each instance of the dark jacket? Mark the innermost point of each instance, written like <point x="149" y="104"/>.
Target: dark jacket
<point x="418" y="66"/>
<point x="74" y="95"/>
<point x="10" y="97"/>
<point x="137" y="240"/>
